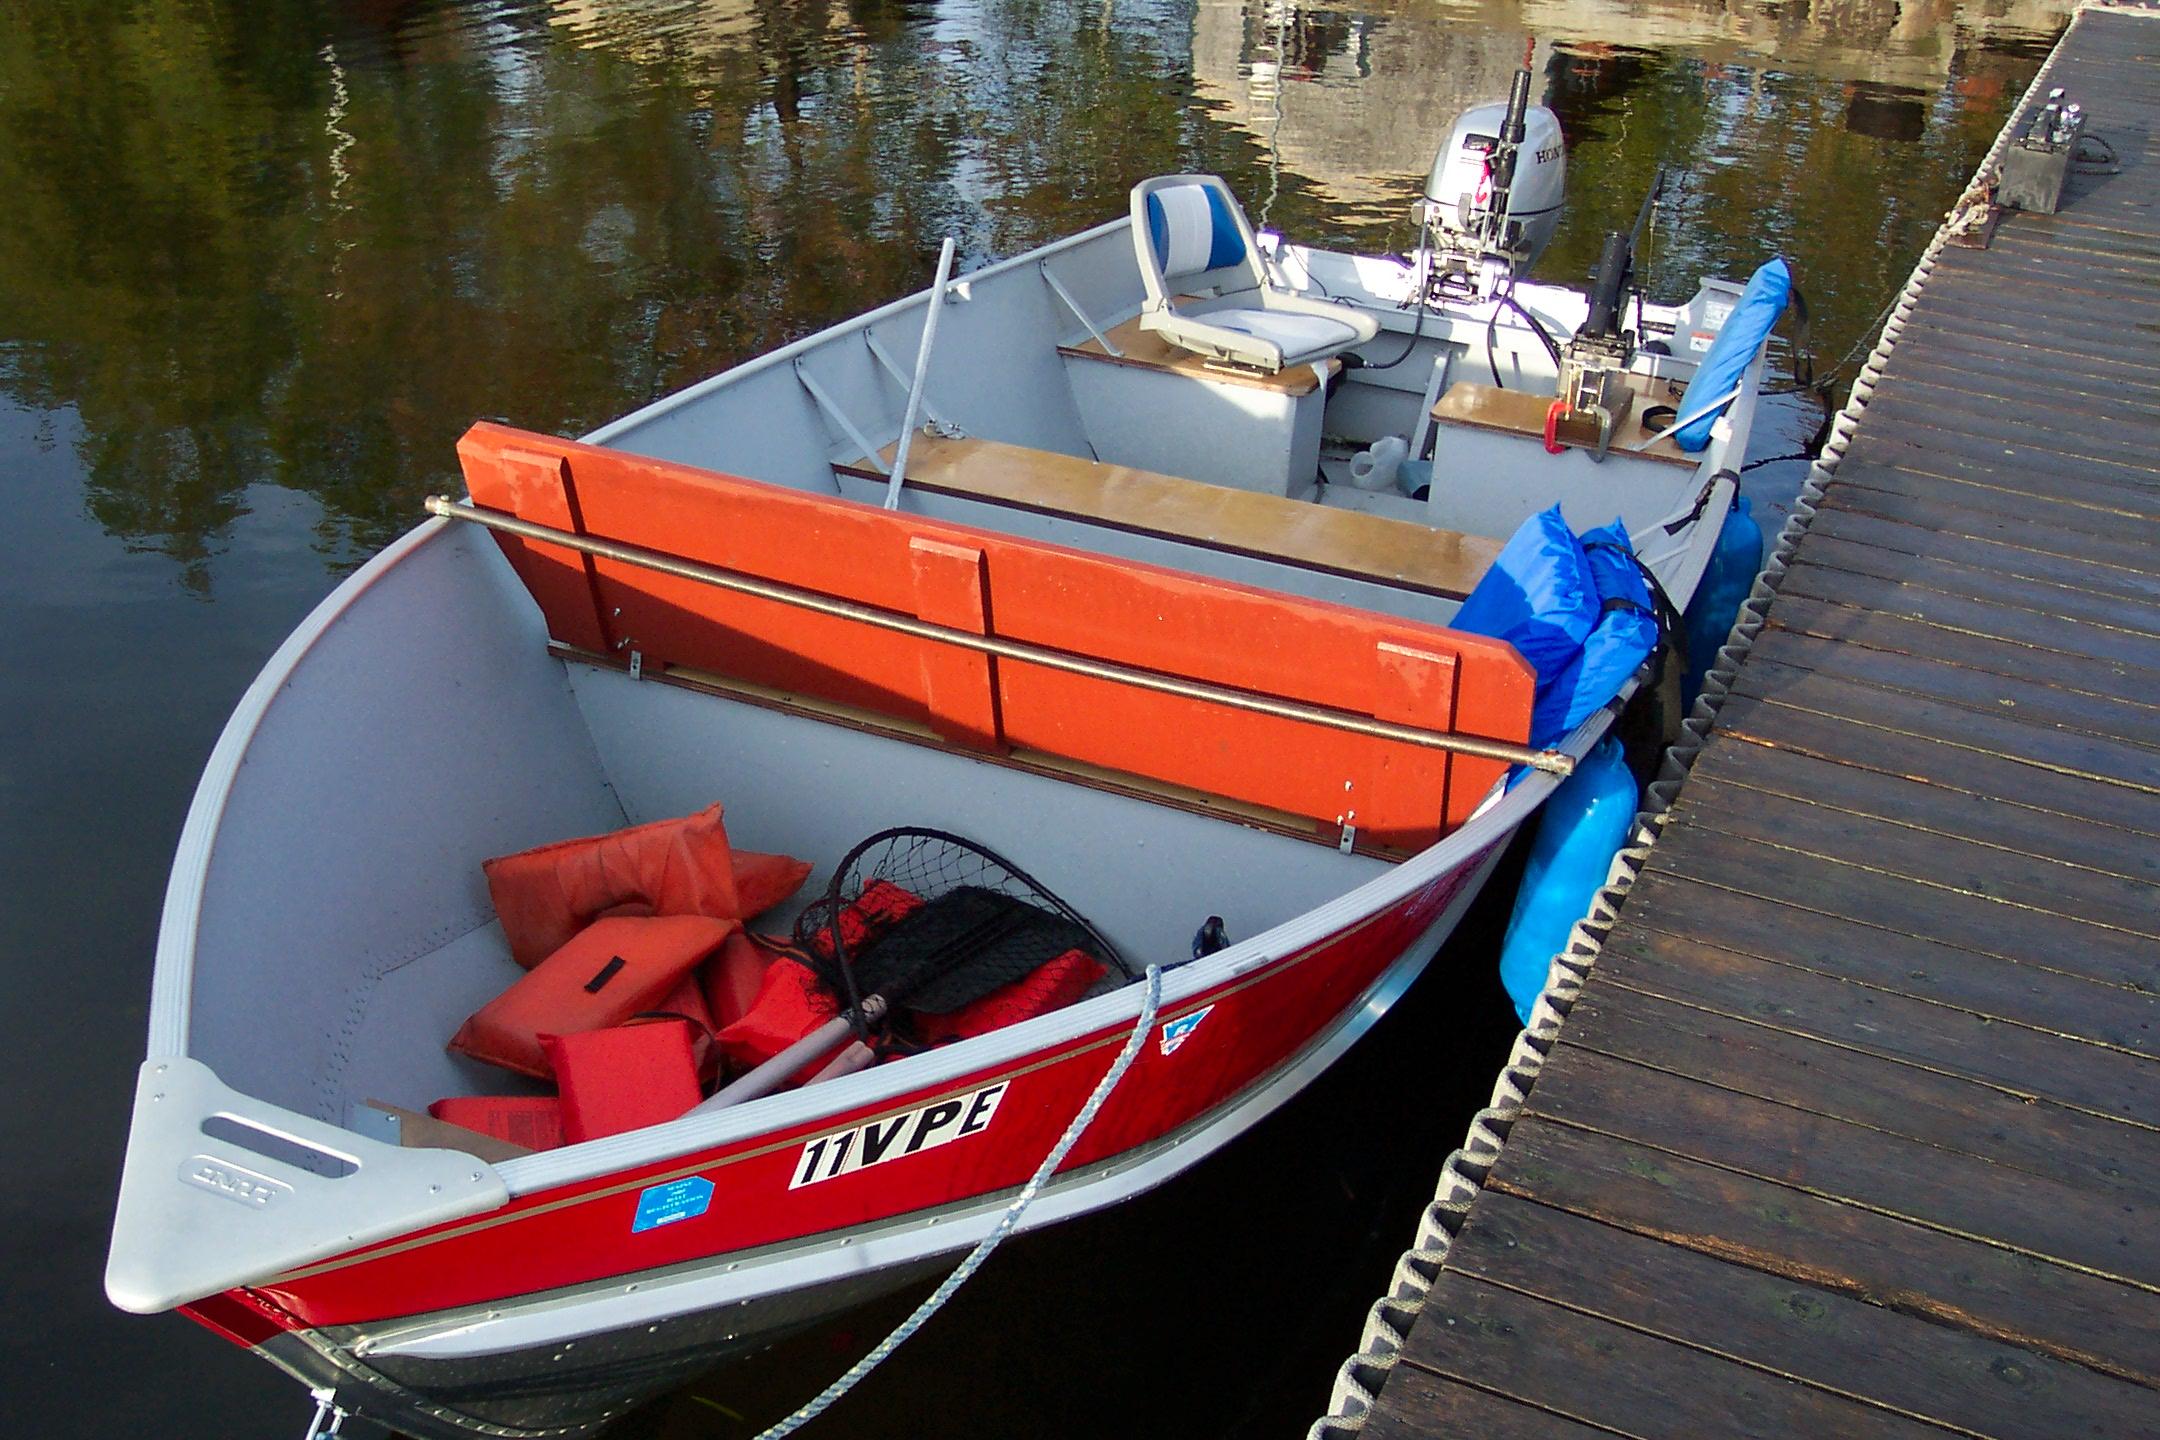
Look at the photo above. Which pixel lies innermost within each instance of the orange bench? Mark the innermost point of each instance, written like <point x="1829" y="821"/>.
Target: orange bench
<point x="1268" y="644"/>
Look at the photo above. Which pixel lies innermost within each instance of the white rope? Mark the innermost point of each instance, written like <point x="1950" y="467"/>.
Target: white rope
<point x="1004" y="1227"/>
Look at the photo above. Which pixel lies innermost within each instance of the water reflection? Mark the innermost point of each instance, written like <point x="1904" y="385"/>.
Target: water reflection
<point x="281" y="244"/>
<point x="263" y="261"/>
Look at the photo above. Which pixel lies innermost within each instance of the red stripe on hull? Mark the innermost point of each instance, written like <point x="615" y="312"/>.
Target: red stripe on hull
<point x="237" y="1316"/>
<point x="583" y="1232"/>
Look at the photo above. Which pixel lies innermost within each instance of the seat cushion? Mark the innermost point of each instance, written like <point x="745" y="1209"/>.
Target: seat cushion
<point x="1192" y="230"/>
<point x="1295" y="333"/>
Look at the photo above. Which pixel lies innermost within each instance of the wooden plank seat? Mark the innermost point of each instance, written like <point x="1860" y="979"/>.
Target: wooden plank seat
<point x="1150" y="351"/>
<point x="1522" y="412"/>
<point x="1398" y="553"/>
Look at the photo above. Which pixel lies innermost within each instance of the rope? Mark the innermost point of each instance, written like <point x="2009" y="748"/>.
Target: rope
<point x="1463" y="1173"/>
<point x="1006" y="1223"/>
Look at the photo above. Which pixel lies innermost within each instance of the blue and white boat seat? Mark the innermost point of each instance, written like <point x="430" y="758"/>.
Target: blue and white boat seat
<point x="1208" y="292"/>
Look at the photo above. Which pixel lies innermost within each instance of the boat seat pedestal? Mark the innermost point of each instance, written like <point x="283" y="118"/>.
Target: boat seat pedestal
<point x="1154" y="406"/>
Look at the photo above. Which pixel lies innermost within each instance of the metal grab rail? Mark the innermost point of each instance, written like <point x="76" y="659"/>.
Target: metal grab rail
<point x="1553" y="762"/>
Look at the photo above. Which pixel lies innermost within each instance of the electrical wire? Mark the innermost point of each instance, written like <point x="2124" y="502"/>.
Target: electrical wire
<point x="1417" y="330"/>
<point x="1492" y="329"/>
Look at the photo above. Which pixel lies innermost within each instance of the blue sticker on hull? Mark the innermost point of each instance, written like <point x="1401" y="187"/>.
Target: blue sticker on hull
<point x="677" y="1200"/>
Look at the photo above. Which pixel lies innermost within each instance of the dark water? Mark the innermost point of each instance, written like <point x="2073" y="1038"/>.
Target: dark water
<point x="260" y="263"/>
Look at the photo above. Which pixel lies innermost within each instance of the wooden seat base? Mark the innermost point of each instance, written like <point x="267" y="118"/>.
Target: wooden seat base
<point x="1150" y="351"/>
<point x="1522" y="412"/>
<point x="1397" y="553"/>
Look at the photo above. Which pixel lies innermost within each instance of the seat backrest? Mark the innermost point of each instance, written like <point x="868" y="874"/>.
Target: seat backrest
<point x="1189" y="234"/>
<point x="1096" y="607"/>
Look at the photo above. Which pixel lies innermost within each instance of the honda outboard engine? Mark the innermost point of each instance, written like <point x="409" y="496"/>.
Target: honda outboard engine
<point x="1493" y="198"/>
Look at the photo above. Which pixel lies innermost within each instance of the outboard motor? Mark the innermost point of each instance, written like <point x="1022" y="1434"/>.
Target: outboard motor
<point x="1595" y="361"/>
<point x="1493" y="198"/>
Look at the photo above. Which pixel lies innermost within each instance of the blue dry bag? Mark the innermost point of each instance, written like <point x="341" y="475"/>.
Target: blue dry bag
<point x="1576" y="609"/>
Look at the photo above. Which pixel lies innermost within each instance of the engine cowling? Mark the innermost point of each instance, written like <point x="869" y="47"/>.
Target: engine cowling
<point x="1458" y="200"/>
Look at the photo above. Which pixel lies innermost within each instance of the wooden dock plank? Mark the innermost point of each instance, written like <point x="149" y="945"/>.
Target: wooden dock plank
<point x="2108" y="495"/>
<point x="1986" y="876"/>
<point x="1984" y="525"/>
<point x="1808" y="606"/>
<point x="2080" y="439"/>
<point x="1952" y="1041"/>
<point x="2111" y="280"/>
<point x="2029" y="701"/>
<point x="1902" y="428"/>
<point x="1988" y="374"/>
<point x="1600" y="1373"/>
<point x="2097" y="507"/>
<point x="1955" y="1281"/>
<point x="1799" y="1331"/>
<point x="1420" y="1403"/>
<point x="2122" y="650"/>
<point x="2045" y="992"/>
<point x="1928" y="572"/>
<point x="1893" y="748"/>
<point x="2025" y="561"/>
<point x="1909" y="906"/>
<point x="2117" y="352"/>
<point x="2115" y="764"/>
<point x="1996" y="1121"/>
<point x="1956" y="347"/>
<point x="2061" y="394"/>
<point x="1930" y="809"/>
<point x="1922" y="1184"/>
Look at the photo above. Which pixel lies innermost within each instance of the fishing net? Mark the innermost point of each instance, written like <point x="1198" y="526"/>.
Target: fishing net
<point x="932" y="922"/>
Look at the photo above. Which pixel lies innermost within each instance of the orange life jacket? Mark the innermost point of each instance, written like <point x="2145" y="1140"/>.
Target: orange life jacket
<point x="534" y="1121"/>
<point x="624" y="1077"/>
<point x="612" y="970"/>
<point x="684" y="866"/>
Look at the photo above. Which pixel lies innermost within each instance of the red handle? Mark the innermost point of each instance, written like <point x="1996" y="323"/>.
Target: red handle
<point x="1553" y="413"/>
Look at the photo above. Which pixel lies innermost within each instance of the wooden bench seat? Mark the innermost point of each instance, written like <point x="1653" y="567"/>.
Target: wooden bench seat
<point x="1150" y="351"/>
<point x="1522" y="412"/>
<point x="1299" y="532"/>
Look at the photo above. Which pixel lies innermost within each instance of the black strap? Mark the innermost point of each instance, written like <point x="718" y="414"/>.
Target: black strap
<point x="1663" y="612"/>
<point x="1702" y="501"/>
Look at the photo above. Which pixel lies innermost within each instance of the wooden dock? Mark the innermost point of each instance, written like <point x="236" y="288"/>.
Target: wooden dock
<point x="1855" y="1126"/>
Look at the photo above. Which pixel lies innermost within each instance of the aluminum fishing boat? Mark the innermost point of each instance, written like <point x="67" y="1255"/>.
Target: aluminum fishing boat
<point x="1133" y="557"/>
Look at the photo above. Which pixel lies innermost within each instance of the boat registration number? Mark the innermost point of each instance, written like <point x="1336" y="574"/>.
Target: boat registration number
<point x="876" y="1141"/>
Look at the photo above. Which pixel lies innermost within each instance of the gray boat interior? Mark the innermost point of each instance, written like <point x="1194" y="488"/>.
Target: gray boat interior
<point x="330" y="964"/>
<point x="434" y="713"/>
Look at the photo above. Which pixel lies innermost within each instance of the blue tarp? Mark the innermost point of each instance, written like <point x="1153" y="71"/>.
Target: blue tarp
<point x="1757" y="309"/>
<point x="1576" y="608"/>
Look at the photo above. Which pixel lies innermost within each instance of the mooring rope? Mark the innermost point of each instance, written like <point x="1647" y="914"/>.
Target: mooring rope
<point x="997" y="1236"/>
<point x="1463" y="1173"/>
